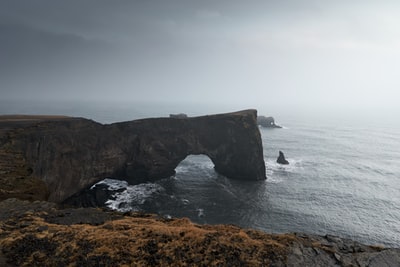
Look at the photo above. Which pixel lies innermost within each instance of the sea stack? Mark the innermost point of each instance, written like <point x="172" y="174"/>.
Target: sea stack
<point x="281" y="159"/>
<point x="267" y="122"/>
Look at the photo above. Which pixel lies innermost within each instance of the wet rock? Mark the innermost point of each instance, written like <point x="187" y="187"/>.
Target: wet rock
<point x="281" y="159"/>
<point x="96" y="196"/>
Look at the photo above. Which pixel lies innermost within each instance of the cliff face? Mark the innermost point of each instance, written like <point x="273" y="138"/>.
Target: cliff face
<point x="70" y="154"/>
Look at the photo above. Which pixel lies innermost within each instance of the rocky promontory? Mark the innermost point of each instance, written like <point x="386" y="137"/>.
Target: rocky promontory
<point x="267" y="122"/>
<point x="52" y="158"/>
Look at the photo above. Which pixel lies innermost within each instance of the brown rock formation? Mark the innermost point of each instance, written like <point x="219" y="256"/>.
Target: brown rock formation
<point x="70" y="154"/>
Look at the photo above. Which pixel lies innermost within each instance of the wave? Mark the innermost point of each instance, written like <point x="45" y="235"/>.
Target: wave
<point x="293" y="165"/>
<point x="276" y="172"/>
<point x="272" y="128"/>
<point x="112" y="184"/>
<point x="133" y="196"/>
<point x="200" y="213"/>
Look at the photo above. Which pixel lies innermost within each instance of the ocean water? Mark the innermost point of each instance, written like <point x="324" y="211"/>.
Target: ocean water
<point x="343" y="178"/>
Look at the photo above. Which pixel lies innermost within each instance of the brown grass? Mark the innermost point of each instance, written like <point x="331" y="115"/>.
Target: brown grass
<point x="138" y="241"/>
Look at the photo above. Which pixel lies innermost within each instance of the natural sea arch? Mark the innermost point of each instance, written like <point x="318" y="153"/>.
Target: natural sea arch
<point x="196" y="165"/>
<point x="68" y="155"/>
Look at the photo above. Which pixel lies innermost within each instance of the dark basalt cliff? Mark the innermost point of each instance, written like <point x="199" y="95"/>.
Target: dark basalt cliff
<point x="61" y="156"/>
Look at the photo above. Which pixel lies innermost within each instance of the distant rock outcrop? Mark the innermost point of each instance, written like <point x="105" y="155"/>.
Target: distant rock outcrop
<point x="178" y="116"/>
<point x="267" y="122"/>
<point x="281" y="159"/>
<point x="62" y="156"/>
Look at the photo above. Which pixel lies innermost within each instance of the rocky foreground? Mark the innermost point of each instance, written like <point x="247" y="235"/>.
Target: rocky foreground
<point x="39" y="234"/>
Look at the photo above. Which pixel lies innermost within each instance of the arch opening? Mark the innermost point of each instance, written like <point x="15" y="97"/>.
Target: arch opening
<point x="195" y="165"/>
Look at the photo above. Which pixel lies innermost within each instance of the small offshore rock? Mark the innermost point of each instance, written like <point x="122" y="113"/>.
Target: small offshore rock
<point x="281" y="159"/>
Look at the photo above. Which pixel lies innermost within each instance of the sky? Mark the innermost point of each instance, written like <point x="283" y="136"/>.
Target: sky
<point x="286" y="54"/>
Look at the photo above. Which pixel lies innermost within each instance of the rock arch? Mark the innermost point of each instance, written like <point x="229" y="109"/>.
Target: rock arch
<point x="194" y="162"/>
<point x="232" y="141"/>
<point x="70" y="154"/>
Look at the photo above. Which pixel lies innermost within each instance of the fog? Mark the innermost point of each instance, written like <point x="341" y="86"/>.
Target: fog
<point x="272" y="55"/>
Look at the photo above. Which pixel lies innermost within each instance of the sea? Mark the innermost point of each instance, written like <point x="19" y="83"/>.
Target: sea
<point x="343" y="179"/>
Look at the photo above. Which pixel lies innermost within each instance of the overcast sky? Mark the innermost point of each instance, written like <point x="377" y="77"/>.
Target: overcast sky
<point x="287" y="53"/>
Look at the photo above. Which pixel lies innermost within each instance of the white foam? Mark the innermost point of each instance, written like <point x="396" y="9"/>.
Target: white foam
<point x="200" y="213"/>
<point x="112" y="184"/>
<point x="132" y="196"/>
<point x="273" y="166"/>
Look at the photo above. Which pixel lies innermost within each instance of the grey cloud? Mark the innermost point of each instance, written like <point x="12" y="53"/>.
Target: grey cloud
<point x="240" y="52"/>
<point x="33" y="57"/>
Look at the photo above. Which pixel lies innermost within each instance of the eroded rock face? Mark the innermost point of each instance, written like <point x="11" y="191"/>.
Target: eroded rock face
<point x="70" y="154"/>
